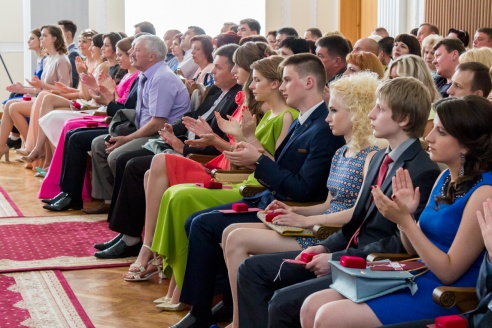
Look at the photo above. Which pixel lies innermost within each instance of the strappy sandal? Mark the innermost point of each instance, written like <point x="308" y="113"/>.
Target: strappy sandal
<point x="138" y="272"/>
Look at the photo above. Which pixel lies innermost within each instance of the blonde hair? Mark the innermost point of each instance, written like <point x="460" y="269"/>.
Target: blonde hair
<point x="330" y="33"/>
<point x="408" y="98"/>
<point x="414" y="66"/>
<point x="366" y="61"/>
<point x="482" y="55"/>
<point x="430" y="41"/>
<point x="358" y="93"/>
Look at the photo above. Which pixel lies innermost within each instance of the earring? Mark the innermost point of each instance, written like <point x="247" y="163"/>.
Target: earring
<point x="461" y="172"/>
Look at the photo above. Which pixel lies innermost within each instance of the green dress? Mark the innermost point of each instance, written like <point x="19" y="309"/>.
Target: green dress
<point x="182" y="200"/>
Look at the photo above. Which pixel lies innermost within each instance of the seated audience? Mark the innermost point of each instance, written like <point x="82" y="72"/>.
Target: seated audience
<point x="293" y="175"/>
<point x="162" y="98"/>
<point x="352" y="98"/>
<point x="447" y="236"/>
<point x="201" y="52"/>
<point x="470" y="78"/>
<point x="168" y="40"/>
<point x="332" y="51"/>
<point x="226" y="27"/>
<point x="380" y="31"/>
<point x="177" y="52"/>
<point x="283" y="33"/>
<point x="226" y="38"/>
<point x="57" y="68"/>
<point x="271" y="38"/>
<point x="401" y="110"/>
<point x="69" y="29"/>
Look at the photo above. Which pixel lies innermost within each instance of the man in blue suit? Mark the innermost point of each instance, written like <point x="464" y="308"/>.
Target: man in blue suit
<point x="69" y="29"/>
<point x="299" y="173"/>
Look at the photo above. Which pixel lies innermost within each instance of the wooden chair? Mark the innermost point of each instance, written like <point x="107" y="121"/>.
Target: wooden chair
<point x="464" y="298"/>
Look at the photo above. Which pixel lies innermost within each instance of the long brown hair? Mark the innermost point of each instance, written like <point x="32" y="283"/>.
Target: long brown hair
<point x="467" y="119"/>
<point x="244" y="57"/>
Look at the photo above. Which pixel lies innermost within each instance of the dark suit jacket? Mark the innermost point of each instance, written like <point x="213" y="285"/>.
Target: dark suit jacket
<point x="226" y="107"/>
<point x="130" y="103"/>
<point x="73" y="52"/>
<point x="377" y="234"/>
<point x="302" y="161"/>
<point x="482" y="315"/>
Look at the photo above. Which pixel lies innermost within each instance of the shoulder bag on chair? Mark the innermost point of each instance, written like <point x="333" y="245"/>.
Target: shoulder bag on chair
<point x="123" y="123"/>
<point x="360" y="285"/>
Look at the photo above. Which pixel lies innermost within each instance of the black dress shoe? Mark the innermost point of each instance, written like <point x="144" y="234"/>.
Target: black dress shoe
<point x="55" y="199"/>
<point x="190" y="321"/>
<point x="16" y="144"/>
<point x="108" y="244"/>
<point x="222" y="312"/>
<point x="119" y="250"/>
<point x="64" y="204"/>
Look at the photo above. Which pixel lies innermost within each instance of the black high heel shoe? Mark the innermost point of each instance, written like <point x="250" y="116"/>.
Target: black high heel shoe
<point x="64" y="204"/>
<point x="55" y="199"/>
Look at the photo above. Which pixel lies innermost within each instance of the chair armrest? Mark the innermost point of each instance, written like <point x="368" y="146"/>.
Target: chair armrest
<point x="322" y="232"/>
<point x="249" y="191"/>
<point x="388" y="256"/>
<point x="464" y="298"/>
<point x="200" y="158"/>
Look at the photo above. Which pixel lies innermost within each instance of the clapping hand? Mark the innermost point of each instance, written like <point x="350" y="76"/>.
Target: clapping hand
<point x="35" y="82"/>
<point x="88" y="80"/>
<point x="199" y="127"/>
<point x="248" y="124"/>
<point x="16" y="87"/>
<point x="485" y="222"/>
<point x="244" y="155"/>
<point x="105" y="81"/>
<point x="230" y="127"/>
<point x="205" y="140"/>
<point x="80" y="65"/>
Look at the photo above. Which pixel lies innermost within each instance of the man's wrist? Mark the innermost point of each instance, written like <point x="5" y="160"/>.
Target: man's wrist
<point x="258" y="160"/>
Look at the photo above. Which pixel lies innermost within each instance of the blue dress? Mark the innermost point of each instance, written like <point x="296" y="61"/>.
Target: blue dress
<point x="344" y="183"/>
<point x="440" y="225"/>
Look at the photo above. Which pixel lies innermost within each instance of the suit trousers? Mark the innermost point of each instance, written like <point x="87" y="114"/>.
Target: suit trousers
<point x="104" y="165"/>
<point x="77" y="144"/>
<point x="127" y="213"/>
<point x="206" y="271"/>
<point x="267" y="300"/>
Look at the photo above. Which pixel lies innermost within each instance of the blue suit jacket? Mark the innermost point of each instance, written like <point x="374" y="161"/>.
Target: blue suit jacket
<point x="302" y="162"/>
<point x="73" y="52"/>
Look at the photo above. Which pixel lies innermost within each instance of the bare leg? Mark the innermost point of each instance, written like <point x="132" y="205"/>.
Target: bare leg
<point x="327" y="308"/>
<point x="5" y="128"/>
<point x="243" y="242"/>
<point x="18" y="112"/>
<point x="156" y="183"/>
<point x="49" y="103"/>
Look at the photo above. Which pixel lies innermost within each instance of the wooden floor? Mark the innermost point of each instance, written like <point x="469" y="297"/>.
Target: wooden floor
<point x="106" y="297"/>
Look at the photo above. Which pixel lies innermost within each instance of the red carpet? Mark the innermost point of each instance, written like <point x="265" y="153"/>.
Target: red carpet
<point x="54" y="243"/>
<point x="7" y="206"/>
<point x="39" y="299"/>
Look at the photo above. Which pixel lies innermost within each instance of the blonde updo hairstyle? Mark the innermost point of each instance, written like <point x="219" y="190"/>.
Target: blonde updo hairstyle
<point x="358" y="93"/>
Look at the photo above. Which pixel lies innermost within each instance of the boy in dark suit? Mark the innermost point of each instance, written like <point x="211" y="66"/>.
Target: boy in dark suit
<point x="399" y="116"/>
<point x="298" y="173"/>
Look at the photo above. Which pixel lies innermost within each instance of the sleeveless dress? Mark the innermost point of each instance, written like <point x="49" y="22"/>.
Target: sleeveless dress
<point x="440" y="226"/>
<point x="344" y="183"/>
<point x="182" y="200"/>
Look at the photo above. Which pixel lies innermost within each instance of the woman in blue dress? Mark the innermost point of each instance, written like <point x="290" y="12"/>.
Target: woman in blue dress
<point x="447" y="237"/>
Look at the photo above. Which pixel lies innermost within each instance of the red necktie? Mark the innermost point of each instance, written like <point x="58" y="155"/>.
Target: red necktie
<point x="383" y="170"/>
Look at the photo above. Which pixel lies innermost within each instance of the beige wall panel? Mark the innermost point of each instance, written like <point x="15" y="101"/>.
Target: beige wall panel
<point x="14" y="62"/>
<point x="327" y="15"/>
<point x="11" y="25"/>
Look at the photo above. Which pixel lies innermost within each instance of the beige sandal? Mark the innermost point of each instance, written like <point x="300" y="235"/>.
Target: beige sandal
<point x="137" y="272"/>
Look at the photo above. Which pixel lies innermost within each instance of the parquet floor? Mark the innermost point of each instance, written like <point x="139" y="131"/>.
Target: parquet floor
<point x="106" y="297"/>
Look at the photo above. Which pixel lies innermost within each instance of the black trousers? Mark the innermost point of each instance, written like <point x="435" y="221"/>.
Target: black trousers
<point x="127" y="213"/>
<point x="265" y="301"/>
<point x="77" y="144"/>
